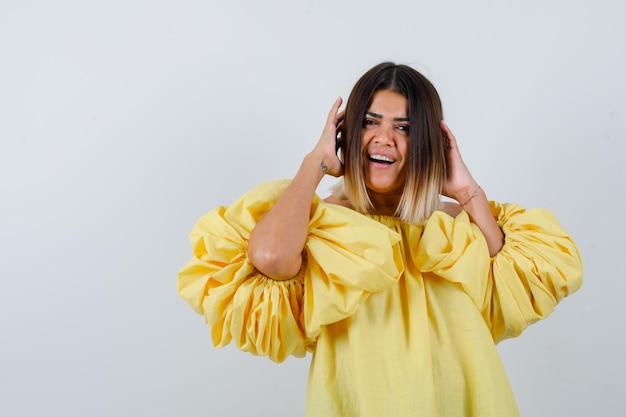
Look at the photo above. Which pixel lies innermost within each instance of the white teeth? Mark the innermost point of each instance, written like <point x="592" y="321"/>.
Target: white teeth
<point x="380" y="158"/>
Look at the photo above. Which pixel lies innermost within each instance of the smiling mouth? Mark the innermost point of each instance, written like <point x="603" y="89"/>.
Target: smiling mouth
<point x="381" y="159"/>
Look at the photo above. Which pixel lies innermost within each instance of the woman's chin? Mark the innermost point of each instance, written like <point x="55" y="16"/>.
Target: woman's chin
<point x="384" y="187"/>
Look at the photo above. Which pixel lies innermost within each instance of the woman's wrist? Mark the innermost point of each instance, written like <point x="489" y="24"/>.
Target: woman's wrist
<point x="467" y="200"/>
<point x="465" y="194"/>
<point x="315" y="165"/>
<point x="476" y="205"/>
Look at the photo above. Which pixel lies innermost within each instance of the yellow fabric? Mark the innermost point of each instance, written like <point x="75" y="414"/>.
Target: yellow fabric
<point x="402" y="319"/>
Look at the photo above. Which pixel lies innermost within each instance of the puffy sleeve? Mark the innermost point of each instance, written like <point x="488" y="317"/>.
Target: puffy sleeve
<point x="538" y="265"/>
<point x="347" y="257"/>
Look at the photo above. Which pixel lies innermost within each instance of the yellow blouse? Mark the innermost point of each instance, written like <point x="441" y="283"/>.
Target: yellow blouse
<point x="402" y="319"/>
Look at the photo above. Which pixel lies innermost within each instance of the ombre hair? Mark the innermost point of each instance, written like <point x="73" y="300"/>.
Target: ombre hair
<point x="426" y="161"/>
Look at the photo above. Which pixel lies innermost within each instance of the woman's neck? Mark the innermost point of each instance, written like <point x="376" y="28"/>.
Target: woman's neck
<point x="385" y="204"/>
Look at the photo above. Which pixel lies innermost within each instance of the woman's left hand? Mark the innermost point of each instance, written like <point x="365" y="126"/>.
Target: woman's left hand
<point x="459" y="184"/>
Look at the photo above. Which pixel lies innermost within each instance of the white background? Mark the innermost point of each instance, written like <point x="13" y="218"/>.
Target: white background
<point x="122" y="122"/>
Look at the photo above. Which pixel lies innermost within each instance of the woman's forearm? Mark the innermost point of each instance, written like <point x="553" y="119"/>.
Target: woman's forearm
<point x="276" y="242"/>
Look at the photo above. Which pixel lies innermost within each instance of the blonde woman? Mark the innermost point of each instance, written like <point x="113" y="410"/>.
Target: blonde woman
<point x="400" y="297"/>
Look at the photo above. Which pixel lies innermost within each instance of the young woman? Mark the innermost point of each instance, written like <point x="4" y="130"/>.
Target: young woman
<point x="400" y="297"/>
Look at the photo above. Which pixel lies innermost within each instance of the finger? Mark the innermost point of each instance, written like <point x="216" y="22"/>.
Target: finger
<point x="449" y="135"/>
<point x="332" y="114"/>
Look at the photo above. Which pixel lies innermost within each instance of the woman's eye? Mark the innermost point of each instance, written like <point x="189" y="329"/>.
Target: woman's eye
<point x="404" y="128"/>
<point x="369" y="122"/>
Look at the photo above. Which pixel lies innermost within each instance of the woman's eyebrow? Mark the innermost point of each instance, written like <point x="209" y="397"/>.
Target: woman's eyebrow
<point x="380" y="116"/>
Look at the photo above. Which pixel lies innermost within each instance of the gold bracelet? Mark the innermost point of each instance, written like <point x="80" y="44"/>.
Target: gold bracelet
<point x="471" y="197"/>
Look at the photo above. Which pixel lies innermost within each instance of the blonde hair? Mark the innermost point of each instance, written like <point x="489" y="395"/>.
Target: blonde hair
<point x="426" y="163"/>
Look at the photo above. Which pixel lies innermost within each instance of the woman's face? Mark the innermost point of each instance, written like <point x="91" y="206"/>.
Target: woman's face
<point x="385" y="142"/>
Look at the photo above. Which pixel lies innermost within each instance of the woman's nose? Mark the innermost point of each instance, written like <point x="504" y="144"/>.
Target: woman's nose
<point x="384" y="134"/>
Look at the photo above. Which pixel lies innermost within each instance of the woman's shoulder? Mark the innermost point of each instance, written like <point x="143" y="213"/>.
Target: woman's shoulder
<point x="338" y="201"/>
<point x="450" y="208"/>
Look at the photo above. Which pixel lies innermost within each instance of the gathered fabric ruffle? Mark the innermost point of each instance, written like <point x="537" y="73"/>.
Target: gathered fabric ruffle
<point x="349" y="256"/>
<point x="281" y="318"/>
<point x="538" y="265"/>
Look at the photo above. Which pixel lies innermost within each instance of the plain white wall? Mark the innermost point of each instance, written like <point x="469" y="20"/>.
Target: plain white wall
<point x="122" y="122"/>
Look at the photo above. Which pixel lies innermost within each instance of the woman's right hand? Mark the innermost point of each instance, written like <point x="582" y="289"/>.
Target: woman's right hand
<point x="326" y="148"/>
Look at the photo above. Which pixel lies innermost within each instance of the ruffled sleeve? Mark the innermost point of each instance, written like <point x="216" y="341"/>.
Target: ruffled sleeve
<point x="347" y="258"/>
<point x="538" y="265"/>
